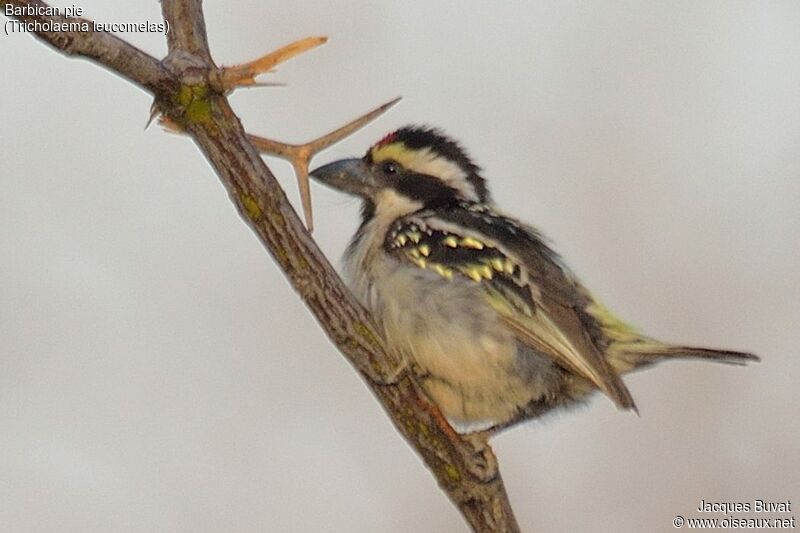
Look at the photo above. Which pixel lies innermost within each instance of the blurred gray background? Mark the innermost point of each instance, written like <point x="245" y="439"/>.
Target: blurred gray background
<point x="157" y="372"/>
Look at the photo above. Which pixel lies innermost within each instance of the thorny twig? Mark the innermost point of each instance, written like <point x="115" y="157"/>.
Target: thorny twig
<point x="245" y="74"/>
<point x="300" y="155"/>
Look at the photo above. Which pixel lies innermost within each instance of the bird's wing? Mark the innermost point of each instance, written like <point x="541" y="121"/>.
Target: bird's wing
<point x="525" y="283"/>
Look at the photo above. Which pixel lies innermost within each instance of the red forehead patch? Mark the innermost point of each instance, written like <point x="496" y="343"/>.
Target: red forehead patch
<point x="389" y="138"/>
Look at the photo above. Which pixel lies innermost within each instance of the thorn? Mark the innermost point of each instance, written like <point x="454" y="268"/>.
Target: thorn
<point x="301" y="173"/>
<point x="300" y="155"/>
<point x="245" y="74"/>
<point x="169" y="125"/>
<point x="268" y="84"/>
<point x="338" y="134"/>
<point x="154" y="112"/>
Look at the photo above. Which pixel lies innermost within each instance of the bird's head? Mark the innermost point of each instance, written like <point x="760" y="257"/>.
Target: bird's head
<point x="409" y="169"/>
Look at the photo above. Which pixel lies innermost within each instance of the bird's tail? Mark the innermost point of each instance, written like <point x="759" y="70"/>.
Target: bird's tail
<point x="645" y="352"/>
<point x="628" y="349"/>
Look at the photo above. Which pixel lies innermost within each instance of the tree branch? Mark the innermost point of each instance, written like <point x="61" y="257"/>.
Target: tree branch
<point x="187" y="27"/>
<point x="187" y="91"/>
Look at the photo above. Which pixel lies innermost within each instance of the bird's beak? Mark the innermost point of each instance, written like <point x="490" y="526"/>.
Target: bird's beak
<point x="352" y="176"/>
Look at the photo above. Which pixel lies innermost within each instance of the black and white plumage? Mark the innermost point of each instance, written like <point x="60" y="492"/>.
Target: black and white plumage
<point x="499" y="328"/>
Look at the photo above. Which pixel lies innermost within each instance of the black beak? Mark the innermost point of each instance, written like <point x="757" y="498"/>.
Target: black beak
<point x="352" y="176"/>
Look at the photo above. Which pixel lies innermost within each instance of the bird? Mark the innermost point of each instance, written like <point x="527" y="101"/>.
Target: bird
<point x="496" y="327"/>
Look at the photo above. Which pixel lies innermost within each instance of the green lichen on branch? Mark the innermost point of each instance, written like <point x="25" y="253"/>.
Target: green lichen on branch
<point x="452" y="473"/>
<point x="251" y="207"/>
<point x="195" y="103"/>
<point x="367" y="334"/>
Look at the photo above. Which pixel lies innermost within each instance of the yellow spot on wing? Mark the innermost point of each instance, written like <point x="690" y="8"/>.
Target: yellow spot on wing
<point x="442" y="270"/>
<point x="469" y="242"/>
<point x="414" y="236"/>
<point x="497" y="264"/>
<point x="401" y="240"/>
<point x="472" y="271"/>
<point x="450" y="241"/>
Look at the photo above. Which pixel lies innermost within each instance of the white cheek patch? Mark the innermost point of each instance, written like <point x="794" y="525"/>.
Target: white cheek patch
<point x="391" y="205"/>
<point x="429" y="162"/>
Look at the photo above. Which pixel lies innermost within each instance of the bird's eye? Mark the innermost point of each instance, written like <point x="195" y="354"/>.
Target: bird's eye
<point x="390" y="167"/>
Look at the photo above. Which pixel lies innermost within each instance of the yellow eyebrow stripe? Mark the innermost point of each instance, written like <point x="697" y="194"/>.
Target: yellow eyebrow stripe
<point x="395" y="151"/>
